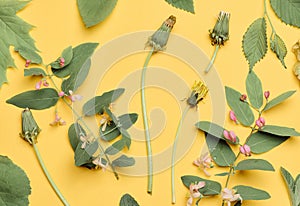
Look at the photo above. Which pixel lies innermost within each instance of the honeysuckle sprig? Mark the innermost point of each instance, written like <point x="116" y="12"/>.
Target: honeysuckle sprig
<point x="157" y="42"/>
<point x="30" y="132"/>
<point x="198" y="92"/>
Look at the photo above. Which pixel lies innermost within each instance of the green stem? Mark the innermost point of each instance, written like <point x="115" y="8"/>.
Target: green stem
<point x="174" y="153"/>
<point x="212" y="59"/>
<point x="146" y="124"/>
<point x="267" y="15"/>
<point x="64" y="201"/>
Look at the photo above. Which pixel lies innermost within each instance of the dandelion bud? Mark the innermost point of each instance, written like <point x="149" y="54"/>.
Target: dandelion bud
<point x="245" y="149"/>
<point x="243" y="97"/>
<point x="267" y="94"/>
<point x="199" y="91"/>
<point x="220" y="34"/>
<point x="232" y="116"/>
<point x="30" y="129"/>
<point x="296" y="50"/>
<point x="297" y="69"/>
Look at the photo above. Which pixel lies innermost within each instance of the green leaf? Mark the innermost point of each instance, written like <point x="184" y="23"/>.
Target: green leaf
<point x="251" y="193"/>
<point x="280" y="131"/>
<point x="214" y="130"/>
<point x="123" y="161"/>
<point x="287" y="10"/>
<point x="97" y="104"/>
<point x="35" y="99"/>
<point x="255" y="42"/>
<point x="279" y="48"/>
<point x="222" y="174"/>
<point x="81" y="54"/>
<point x="15" y="186"/>
<point x="93" y="12"/>
<point x="126" y="138"/>
<point x="67" y="54"/>
<point x="115" y="147"/>
<point x="261" y="142"/>
<point x="241" y="109"/>
<point x="254" y="164"/>
<point x="84" y="156"/>
<point x="77" y="78"/>
<point x="297" y="190"/>
<point x="277" y="100"/>
<point x="127" y="120"/>
<point x="186" y="5"/>
<point x="210" y="188"/>
<point x="14" y="32"/>
<point x="254" y="90"/>
<point x="128" y="200"/>
<point x="221" y="153"/>
<point x="110" y="133"/>
<point x="34" y="72"/>
<point x="74" y="133"/>
<point x="289" y="181"/>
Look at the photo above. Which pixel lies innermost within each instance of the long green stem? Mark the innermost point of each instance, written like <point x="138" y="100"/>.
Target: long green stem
<point x="212" y="59"/>
<point x="146" y="124"/>
<point x="64" y="201"/>
<point x="267" y="15"/>
<point x="174" y="153"/>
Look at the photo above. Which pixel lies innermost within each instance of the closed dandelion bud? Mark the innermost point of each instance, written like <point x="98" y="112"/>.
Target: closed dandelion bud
<point x="297" y="69"/>
<point x="199" y="91"/>
<point x="220" y="34"/>
<point x="296" y="50"/>
<point x="30" y="129"/>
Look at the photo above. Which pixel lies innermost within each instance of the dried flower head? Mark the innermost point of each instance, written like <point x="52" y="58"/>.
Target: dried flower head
<point x="297" y="69"/>
<point x="229" y="196"/>
<point x="159" y="39"/>
<point x="100" y="162"/>
<point x="30" y="129"/>
<point x="220" y="33"/>
<point x="296" y="49"/>
<point x="204" y="163"/>
<point x="58" y="121"/>
<point x="199" y="91"/>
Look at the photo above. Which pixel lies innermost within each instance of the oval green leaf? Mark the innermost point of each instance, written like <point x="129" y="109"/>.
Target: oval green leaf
<point x="84" y="156"/>
<point x="280" y="131"/>
<point x="254" y="164"/>
<point x="34" y="72"/>
<point x="277" y="100"/>
<point x="279" y="48"/>
<point x="128" y="200"/>
<point x="115" y="147"/>
<point x="251" y="193"/>
<point x="67" y="54"/>
<point x="123" y="161"/>
<point x="35" y="99"/>
<point x="186" y="5"/>
<point x="127" y="120"/>
<point x="74" y="133"/>
<point x="254" y="90"/>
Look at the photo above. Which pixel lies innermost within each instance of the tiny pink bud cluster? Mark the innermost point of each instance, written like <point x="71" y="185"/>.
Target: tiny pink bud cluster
<point x="61" y="94"/>
<point x="243" y="97"/>
<point x="260" y="122"/>
<point x="229" y="135"/>
<point x="61" y="62"/>
<point x="27" y="63"/>
<point x="232" y="116"/>
<point x="246" y="150"/>
<point x="39" y="84"/>
<point x="267" y="94"/>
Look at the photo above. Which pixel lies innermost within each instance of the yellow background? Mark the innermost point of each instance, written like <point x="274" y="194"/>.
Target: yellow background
<point x="58" y="25"/>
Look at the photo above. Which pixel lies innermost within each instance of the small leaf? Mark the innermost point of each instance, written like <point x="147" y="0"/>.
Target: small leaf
<point x="254" y="164"/>
<point x="15" y="186"/>
<point x="84" y="156"/>
<point x="289" y="181"/>
<point x="110" y="133"/>
<point x="254" y="90"/>
<point x="221" y="153"/>
<point x="123" y="161"/>
<point x="280" y="131"/>
<point x="211" y="187"/>
<point x="81" y="54"/>
<point x="128" y="200"/>
<point x="186" y="5"/>
<point x="35" y="99"/>
<point x="287" y="10"/>
<point x="277" y="100"/>
<point x="251" y="193"/>
<point x="127" y="120"/>
<point x="261" y="142"/>
<point x="241" y="109"/>
<point x="255" y="42"/>
<point x="222" y="174"/>
<point x="74" y="133"/>
<point x="93" y="12"/>
<point x="279" y="48"/>
<point x="34" y="72"/>
<point x="115" y="147"/>
<point x="67" y="54"/>
<point x="97" y="104"/>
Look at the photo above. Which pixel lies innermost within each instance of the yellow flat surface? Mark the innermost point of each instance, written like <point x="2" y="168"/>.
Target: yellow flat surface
<point x="58" y="25"/>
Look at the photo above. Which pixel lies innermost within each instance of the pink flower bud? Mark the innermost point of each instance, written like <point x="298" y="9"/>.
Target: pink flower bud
<point x="62" y="61"/>
<point x="232" y="136"/>
<point x="38" y="85"/>
<point x="258" y="123"/>
<point x="232" y="116"/>
<point x="243" y="97"/>
<point x="45" y="83"/>
<point x="245" y="149"/>
<point x="267" y="94"/>
<point x="27" y="63"/>
<point x="262" y="120"/>
<point x="226" y="134"/>
<point x="61" y="94"/>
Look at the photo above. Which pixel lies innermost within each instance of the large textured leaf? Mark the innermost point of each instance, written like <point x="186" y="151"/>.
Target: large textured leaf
<point x="287" y="10"/>
<point x="93" y="12"/>
<point x="254" y="90"/>
<point x="128" y="200"/>
<point x="255" y="42"/>
<point x="241" y="109"/>
<point x="279" y="48"/>
<point x="280" y="131"/>
<point x="254" y="164"/>
<point x="277" y="100"/>
<point x="251" y="193"/>
<point x="289" y="181"/>
<point x="35" y="99"/>
<point x="186" y="5"/>
<point x="14" y="32"/>
<point x="15" y="185"/>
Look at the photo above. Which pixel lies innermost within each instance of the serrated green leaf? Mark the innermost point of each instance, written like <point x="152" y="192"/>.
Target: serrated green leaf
<point x="34" y="72"/>
<point x="251" y="193"/>
<point x="255" y="42"/>
<point x="93" y="12"/>
<point x="211" y="187"/>
<point x="35" y="99"/>
<point x="241" y="109"/>
<point x="261" y="142"/>
<point x="254" y="90"/>
<point x="128" y="200"/>
<point x="74" y="133"/>
<point x="84" y="156"/>
<point x="277" y="100"/>
<point x="289" y="181"/>
<point x="254" y="164"/>
<point x="280" y="131"/>
<point x="214" y="130"/>
<point x="15" y="186"/>
<point x="186" y="5"/>
<point x="97" y="104"/>
<point x="220" y="151"/>
<point x="287" y="10"/>
<point x="81" y="54"/>
<point x="115" y="147"/>
<point x="278" y="47"/>
<point x="123" y="161"/>
<point x="67" y="54"/>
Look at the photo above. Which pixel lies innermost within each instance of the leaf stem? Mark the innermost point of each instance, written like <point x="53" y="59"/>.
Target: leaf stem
<point x="267" y="15"/>
<point x="174" y="153"/>
<point x="212" y="59"/>
<point x="146" y="124"/>
<point x="64" y="201"/>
